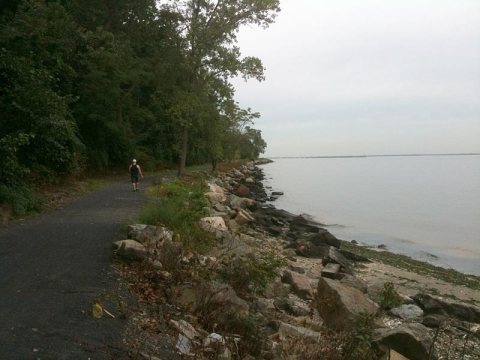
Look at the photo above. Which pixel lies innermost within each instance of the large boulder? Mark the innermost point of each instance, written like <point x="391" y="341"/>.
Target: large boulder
<point x="339" y="304"/>
<point x="130" y="249"/>
<point x="412" y="340"/>
<point x="214" y="224"/>
<point x="300" y="284"/>
<point x="309" y="250"/>
<point x="149" y="234"/>
<point x="435" y="306"/>
<point x="238" y="203"/>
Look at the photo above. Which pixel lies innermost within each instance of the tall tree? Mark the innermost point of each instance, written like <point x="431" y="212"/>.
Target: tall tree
<point x="209" y="29"/>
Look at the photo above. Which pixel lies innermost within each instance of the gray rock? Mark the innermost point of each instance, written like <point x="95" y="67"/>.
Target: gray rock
<point x="130" y="249"/>
<point x="332" y="271"/>
<point x="434" y="305"/>
<point x="300" y="284"/>
<point x="339" y="305"/>
<point x="353" y="281"/>
<point x="412" y="340"/>
<point x="334" y="256"/>
<point x="323" y="238"/>
<point x="290" y="331"/>
<point x="149" y="234"/>
<point x="292" y="306"/>
<point x="408" y="312"/>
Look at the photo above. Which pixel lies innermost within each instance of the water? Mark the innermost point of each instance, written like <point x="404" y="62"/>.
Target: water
<point x="426" y="207"/>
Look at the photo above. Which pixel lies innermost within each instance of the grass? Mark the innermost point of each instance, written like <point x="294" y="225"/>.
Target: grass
<point x="179" y="205"/>
<point x="416" y="266"/>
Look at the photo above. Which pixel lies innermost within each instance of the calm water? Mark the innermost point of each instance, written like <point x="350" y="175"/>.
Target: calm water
<point x="425" y="207"/>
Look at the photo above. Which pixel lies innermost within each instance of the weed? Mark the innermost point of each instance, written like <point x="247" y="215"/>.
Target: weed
<point x="389" y="297"/>
<point x="359" y="341"/>
<point x="180" y="206"/>
<point x="252" y="272"/>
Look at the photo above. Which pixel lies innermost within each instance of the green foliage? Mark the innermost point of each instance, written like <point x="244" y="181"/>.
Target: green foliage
<point x="360" y="339"/>
<point x="180" y="207"/>
<point x="21" y="199"/>
<point x="252" y="272"/>
<point x="88" y="85"/>
<point x="389" y="297"/>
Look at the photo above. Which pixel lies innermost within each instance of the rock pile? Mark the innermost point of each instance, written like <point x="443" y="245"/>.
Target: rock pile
<point x="315" y="291"/>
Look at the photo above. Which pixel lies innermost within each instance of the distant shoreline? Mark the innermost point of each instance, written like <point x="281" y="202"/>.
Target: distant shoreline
<point x="369" y="156"/>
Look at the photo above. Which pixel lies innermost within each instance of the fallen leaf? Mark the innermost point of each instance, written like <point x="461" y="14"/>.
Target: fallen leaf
<point x="97" y="311"/>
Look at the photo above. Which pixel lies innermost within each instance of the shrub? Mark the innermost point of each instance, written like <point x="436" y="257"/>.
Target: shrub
<point x="389" y="297"/>
<point x="179" y="207"/>
<point x="359" y="341"/>
<point x="252" y="272"/>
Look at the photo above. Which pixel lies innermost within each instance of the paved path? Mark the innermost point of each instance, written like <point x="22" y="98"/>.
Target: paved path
<point x="52" y="268"/>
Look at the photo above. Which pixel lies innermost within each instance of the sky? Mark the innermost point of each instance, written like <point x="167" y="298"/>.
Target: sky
<point x="364" y="77"/>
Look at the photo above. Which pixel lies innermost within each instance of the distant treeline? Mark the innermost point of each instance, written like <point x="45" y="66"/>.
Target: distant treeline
<point x="89" y="84"/>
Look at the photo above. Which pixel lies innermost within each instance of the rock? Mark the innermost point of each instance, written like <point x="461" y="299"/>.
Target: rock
<point x="223" y="297"/>
<point x="183" y="345"/>
<point x="276" y="289"/>
<point x="277" y="193"/>
<point x="353" y="281"/>
<point x="309" y="250"/>
<point x="292" y="306"/>
<point x="332" y="271"/>
<point x="339" y="305"/>
<point x="412" y="340"/>
<point x="233" y="225"/>
<point x="434" y="305"/>
<point x="407" y="312"/>
<point x="303" y="225"/>
<point x="354" y="257"/>
<point x="435" y="320"/>
<point x="242" y="191"/>
<point x="249" y="180"/>
<point x="393" y="355"/>
<point x="300" y="284"/>
<point x="130" y="249"/>
<point x="213" y="224"/>
<point x="213" y="340"/>
<point x="216" y="188"/>
<point x="238" y="203"/>
<point x="382" y="247"/>
<point x="184" y="328"/>
<point x="216" y="198"/>
<point x="323" y="238"/>
<point x="297" y="269"/>
<point x="243" y="217"/>
<point x="334" y="256"/>
<point x="149" y="234"/>
<point x="290" y="331"/>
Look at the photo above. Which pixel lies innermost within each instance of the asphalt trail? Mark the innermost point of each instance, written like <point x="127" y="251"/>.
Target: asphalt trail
<point x="52" y="268"/>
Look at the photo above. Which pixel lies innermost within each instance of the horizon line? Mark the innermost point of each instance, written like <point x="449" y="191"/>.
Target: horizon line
<point x="373" y="155"/>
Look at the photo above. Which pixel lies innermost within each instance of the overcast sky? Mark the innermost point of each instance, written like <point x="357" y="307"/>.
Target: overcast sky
<point x="367" y="77"/>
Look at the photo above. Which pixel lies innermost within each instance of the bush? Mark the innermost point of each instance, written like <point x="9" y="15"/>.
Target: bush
<point x="180" y="207"/>
<point x="390" y="298"/>
<point x="252" y="272"/>
<point x="359" y="341"/>
<point x="21" y="199"/>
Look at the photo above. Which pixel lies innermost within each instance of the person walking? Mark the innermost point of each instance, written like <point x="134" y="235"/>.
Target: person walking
<point x="135" y="172"/>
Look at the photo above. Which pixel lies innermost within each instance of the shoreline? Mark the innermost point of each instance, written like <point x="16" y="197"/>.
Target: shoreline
<point x="401" y="261"/>
<point x="368" y="229"/>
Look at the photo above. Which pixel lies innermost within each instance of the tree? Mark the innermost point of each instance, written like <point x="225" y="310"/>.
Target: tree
<point x="209" y="31"/>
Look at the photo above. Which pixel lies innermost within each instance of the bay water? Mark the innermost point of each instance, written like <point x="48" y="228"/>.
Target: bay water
<point x="426" y="207"/>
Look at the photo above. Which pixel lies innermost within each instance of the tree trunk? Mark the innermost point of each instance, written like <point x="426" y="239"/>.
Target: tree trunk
<point x="183" y="152"/>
